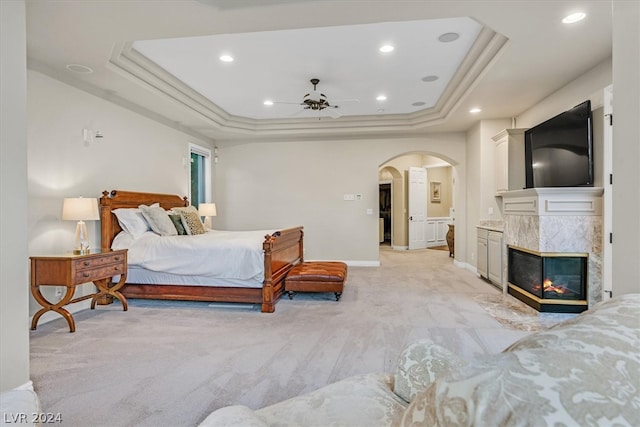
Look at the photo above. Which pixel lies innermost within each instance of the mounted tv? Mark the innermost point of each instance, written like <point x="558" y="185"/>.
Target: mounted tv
<point x="559" y="151"/>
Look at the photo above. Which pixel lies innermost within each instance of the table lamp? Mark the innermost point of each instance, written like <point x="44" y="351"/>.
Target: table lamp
<point x="81" y="210"/>
<point x="207" y="210"/>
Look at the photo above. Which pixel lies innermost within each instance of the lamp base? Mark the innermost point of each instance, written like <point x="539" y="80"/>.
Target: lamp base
<point x="81" y="251"/>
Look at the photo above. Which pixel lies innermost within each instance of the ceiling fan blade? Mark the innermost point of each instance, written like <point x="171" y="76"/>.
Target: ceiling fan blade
<point x="346" y="100"/>
<point x="333" y="112"/>
<point x="285" y="102"/>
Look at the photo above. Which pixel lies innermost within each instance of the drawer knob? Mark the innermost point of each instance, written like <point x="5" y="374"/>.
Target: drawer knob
<point x="86" y="274"/>
<point x="117" y="258"/>
<point x="87" y="263"/>
<point x="116" y="268"/>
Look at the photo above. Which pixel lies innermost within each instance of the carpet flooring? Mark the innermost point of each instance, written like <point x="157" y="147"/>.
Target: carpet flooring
<point x="172" y="363"/>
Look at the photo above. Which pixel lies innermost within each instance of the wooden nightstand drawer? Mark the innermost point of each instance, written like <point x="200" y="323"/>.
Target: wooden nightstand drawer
<point x="105" y="272"/>
<point x="90" y="263"/>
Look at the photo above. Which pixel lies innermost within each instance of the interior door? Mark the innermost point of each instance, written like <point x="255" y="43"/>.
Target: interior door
<point x="607" y="249"/>
<point x="417" y="208"/>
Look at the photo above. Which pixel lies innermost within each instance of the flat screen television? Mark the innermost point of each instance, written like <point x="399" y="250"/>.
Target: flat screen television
<point x="559" y="151"/>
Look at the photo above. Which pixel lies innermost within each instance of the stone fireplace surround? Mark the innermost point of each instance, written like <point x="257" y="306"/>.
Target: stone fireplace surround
<point x="557" y="220"/>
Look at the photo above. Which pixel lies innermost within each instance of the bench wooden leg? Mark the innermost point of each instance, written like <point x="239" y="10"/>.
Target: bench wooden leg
<point x="290" y="294"/>
<point x="338" y="295"/>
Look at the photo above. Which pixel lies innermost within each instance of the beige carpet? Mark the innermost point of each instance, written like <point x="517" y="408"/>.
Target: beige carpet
<point x="170" y="364"/>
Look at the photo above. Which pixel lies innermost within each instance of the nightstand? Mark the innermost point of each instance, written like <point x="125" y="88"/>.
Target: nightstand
<point x="73" y="270"/>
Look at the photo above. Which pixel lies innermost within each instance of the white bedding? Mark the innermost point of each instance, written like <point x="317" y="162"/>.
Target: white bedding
<point x="236" y="255"/>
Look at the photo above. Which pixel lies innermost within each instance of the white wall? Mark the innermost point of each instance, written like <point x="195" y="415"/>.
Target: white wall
<point x="480" y="182"/>
<point x="14" y="277"/>
<point x="626" y="147"/>
<point x="272" y="185"/>
<point x="135" y="154"/>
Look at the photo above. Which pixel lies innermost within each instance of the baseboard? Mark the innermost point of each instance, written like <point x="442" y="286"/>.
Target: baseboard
<point x="400" y="248"/>
<point x="349" y="263"/>
<point x="363" y="263"/>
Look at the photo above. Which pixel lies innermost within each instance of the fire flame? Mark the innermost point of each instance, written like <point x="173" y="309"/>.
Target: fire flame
<point x="548" y="286"/>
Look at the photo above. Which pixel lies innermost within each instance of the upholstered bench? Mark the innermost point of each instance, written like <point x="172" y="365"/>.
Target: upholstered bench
<point x="317" y="276"/>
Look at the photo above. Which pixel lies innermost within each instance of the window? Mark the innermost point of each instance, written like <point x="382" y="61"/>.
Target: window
<point x="200" y="173"/>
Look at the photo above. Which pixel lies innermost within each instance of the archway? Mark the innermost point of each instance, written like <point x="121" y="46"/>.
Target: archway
<point x="440" y="201"/>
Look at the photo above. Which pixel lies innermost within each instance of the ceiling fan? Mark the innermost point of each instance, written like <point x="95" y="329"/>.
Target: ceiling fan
<point x="317" y="101"/>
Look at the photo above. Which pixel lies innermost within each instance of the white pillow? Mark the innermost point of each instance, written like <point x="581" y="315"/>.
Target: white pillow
<point x="159" y="220"/>
<point x="132" y="221"/>
<point x="122" y="241"/>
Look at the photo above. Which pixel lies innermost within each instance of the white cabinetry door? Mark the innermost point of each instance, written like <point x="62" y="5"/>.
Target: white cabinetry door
<point x="501" y="174"/>
<point x="481" y="265"/>
<point x="494" y="262"/>
<point x="509" y="160"/>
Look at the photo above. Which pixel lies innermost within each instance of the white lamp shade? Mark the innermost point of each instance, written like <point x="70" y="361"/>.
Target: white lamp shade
<point x="207" y="209"/>
<point x="80" y="209"/>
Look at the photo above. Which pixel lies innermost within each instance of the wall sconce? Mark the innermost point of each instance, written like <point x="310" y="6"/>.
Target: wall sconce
<point x="89" y="136"/>
<point x="81" y="210"/>
<point x="207" y="210"/>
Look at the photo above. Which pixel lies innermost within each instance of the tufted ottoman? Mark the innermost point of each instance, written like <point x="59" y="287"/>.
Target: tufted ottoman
<point x="317" y="276"/>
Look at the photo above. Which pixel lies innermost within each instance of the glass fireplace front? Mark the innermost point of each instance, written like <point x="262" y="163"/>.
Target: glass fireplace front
<point x="553" y="277"/>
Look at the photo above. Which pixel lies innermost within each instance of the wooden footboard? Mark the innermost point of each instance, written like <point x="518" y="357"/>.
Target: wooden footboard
<point x="282" y="250"/>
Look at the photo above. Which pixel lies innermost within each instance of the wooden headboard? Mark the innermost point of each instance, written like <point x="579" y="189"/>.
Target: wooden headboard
<point x="116" y="199"/>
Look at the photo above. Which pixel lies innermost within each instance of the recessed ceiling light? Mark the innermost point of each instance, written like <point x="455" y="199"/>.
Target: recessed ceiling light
<point x="475" y="110"/>
<point x="77" y="68"/>
<point x="386" y="48"/>
<point x="226" y="58"/>
<point x="268" y="102"/>
<point x="430" y="78"/>
<point x="381" y="98"/>
<point x="574" y="17"/>
<point x="418" y="103"/>
<point x="449" y="37"/>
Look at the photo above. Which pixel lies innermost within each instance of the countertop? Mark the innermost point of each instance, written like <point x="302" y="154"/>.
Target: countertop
<point x="491" y="225"/>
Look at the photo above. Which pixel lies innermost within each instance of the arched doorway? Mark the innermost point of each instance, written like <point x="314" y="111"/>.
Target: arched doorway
<point x="394" y="194"/>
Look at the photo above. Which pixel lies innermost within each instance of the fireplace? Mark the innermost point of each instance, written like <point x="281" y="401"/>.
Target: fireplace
<point x="548" y="282"/>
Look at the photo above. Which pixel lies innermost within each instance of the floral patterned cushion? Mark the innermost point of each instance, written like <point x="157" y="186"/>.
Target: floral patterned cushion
<point x="585" y="371"/>
<point x="420" y="364"/>
<point x="236" y="415"/>
<point x="364" y="400"/>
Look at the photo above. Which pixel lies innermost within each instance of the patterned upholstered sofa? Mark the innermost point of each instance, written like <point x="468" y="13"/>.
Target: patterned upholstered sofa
<point x="584" y="371"/>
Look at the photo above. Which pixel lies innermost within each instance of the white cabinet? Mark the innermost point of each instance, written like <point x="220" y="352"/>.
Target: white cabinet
<point x="494" y="257"/>
<point x="436" y="231"/>
<point x="481" y="265"/>
<point x="509" y="160"/>
<point x="489" y="264"/>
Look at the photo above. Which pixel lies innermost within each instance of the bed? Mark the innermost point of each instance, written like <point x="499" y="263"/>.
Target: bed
<point x="282" y="249"/>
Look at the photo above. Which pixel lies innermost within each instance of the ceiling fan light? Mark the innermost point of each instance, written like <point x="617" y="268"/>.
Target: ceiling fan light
<point x="226" y="58"/>
<point x="386" y="48"/>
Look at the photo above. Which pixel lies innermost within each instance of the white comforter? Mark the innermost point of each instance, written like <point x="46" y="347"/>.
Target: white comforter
<point x="216" y="254"/>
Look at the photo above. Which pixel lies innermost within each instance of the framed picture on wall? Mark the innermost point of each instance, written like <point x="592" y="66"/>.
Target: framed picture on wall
<point x="435" y="192"/>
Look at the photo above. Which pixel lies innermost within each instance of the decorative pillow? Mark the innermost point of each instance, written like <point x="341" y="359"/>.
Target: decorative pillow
<point x="177" y="223"/>
<point x="132" y="221"/>
<point x="189" y="208"/>
<point x="159" y="220"/>
<point x="191" y="222"/>
<point x="420" y="364"/>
